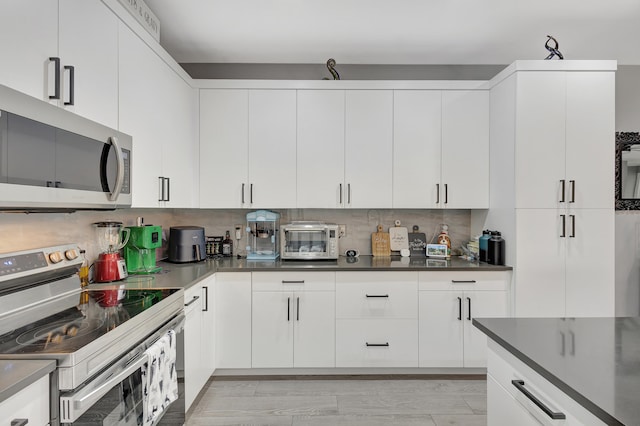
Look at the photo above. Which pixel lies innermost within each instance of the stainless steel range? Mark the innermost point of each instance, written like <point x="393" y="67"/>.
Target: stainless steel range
<point x="99" y="336"/>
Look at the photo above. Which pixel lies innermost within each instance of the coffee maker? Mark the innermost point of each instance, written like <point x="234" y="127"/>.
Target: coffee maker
<point x="111" y="239"/>
<point x="140" y="250"/>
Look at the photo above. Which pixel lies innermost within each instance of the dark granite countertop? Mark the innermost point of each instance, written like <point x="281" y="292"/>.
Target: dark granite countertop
<point x="596" y="361"/>
<point x="185" y="275"/>
<point x="17" y="375"/>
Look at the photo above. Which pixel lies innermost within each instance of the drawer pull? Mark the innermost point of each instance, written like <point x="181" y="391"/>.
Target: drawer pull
<point x="463" y="281"/>
<point x="192" y="301"/>
<point x="469" y="311"/>
<point x="519" y="384"/>
<point x="293" y="282"/>
<point x="386" y="344"/>
<point x="288" y="309"/>
<point x="19" y="422"/>
<point x="377" y="295"/>
<point x="459" y="308"/>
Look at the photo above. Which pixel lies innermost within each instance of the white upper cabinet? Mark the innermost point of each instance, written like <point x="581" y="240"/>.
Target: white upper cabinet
<point x="272" y="148"/>
<point x="30" y="31"/>
<point x="369" y="148"/>
<point x="321" y="149"/>
<point x="224" y="148"/>
<point x="465" y="149"/>
<point x="417" y="130"/>
<point x="82" y="35"/>
<point x="567" y="128"/>
<point x="159" y="111"/>
<point x="88" y="37"/>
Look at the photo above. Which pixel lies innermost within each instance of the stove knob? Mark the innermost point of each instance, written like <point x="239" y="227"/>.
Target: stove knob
<point x="56" y="257"/>
<point x="71" y="254"/>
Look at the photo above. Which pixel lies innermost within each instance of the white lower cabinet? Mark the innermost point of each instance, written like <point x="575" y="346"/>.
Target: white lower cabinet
<point x="511" y="387"/>
<point x="31" y="403"/>
<point x="233" y="319"/>
<point x="199" y="351"/>
<point x="293" y="325"/>
<point x="447" y="337"/>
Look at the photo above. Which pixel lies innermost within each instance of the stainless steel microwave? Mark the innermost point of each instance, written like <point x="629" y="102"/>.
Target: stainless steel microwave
<point x="54" y="159"/>
<point x="307" y="240"/>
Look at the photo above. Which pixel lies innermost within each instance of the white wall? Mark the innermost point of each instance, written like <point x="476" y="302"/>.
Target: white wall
<point x="628" y="222"/>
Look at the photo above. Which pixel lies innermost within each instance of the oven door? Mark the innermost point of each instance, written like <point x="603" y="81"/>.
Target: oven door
<point x="305" y="243"/>
<point x="116" y="396"/>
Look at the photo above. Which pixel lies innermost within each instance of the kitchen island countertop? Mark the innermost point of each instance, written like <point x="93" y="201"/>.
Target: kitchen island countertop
<point x="15" y="375"/>
<point x="595" y="361"/>
<point x="185" y="275"/>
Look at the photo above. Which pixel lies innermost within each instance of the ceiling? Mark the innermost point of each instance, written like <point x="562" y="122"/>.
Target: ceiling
<point x="396" y="31"/>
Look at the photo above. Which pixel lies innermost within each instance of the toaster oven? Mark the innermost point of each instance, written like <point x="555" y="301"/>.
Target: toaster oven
<point x="307" y="240"/>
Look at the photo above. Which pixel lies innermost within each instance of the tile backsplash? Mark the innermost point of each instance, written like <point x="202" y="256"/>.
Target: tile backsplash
<point x="21" y="231"/>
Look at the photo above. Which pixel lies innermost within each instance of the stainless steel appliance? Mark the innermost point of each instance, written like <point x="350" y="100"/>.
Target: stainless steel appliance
<point x="98" y="336"/>
<point x="186" y="244"/>
<point x="307" y="240"/>
<point x="55" y="159"/>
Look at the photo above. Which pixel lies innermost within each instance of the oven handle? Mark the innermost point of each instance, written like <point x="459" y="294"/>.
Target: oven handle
<point x="74" y="406"/>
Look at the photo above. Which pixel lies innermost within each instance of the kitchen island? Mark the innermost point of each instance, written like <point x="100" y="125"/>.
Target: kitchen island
<point x="586" y="369"/>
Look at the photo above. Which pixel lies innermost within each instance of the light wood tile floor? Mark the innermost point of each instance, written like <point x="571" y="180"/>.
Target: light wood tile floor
<point x="350" y="401"/>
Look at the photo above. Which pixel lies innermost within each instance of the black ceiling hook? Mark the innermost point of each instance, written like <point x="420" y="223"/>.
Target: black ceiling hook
<point x="554" y="50"/>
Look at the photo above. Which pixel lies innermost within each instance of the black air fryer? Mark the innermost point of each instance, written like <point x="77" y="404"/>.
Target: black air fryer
<point x="186" y="244"/>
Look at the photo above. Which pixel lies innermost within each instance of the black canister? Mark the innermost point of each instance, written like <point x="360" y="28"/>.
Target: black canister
<point x="496" y="250"/>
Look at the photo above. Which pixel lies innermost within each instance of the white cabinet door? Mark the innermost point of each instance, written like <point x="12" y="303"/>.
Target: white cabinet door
<point x="192" y="345"/>
<point x="590" y="139"/>
<point x="272" y="148"/>
<point x="208" y="327"/>
<point x="314" y="329"/>
<point x="441" y="329"/>
<point x="540" y="259"/>
<point x="417" y="116"/>
<point x="88" y="39"/>
<point x="320" y="157"/>
<point x="233" y="319"/>
<point x="180" y="141"/>
<point x="540" y="139"/>
<point x="369" y="148"/>
<point x="224" y="148"/>
<point x="590" y="263"/>
<point x="143" y="113"/>
<point x="31" y="403"/>
<point x="465" y="149"/>
<point x="30" y="31"/>
<point x="480" y="304"/>
<point x="272" y="330"/>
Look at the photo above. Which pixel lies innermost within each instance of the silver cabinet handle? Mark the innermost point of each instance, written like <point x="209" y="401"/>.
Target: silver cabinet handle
<point x="562" y="190"/>
<point x="564" y="223"/>
<point x="573" y="191"/>
<point x="192" y="301"/>
<point x="519" y="384"/>
<point x="113" y="196"/>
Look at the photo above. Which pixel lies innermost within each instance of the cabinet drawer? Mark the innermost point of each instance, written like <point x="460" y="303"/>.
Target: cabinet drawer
<point x="293" y="281"/>
<point x="376" y="343"/>
<point x="504" y="367"/>
<point x="464" y="280"/>
<point x="376" y="295"/>
<point x="30" y="403"/>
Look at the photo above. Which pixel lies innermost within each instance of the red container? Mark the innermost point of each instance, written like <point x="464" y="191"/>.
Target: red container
<point x="109" y="267"/>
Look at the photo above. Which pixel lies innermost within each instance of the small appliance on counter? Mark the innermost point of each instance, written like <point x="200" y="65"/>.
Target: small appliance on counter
<point x="263" y="235"/>
<point x="140" y="250"/>
<point x="186" y="244"/>
<point x="110" y="266"/>
<point x="307" y="240"/>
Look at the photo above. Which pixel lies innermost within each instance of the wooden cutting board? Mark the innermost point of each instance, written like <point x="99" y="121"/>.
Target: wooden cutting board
<point x="417" y="242"/>
<point x="399" y="237"/>
<point x="380" y="244"/>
